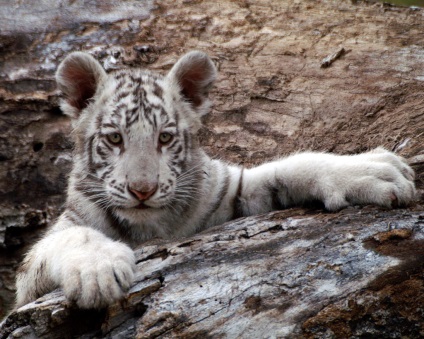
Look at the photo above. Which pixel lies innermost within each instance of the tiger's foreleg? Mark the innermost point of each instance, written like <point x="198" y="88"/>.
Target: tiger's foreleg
<point x="378" y="177"/>
<point x="92" y="270"/>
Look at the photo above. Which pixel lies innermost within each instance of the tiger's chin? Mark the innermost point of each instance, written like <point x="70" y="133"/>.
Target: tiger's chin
<point x="142" y="206"/>
<point x="137" y="213"/>
<point x="149" y="205"/>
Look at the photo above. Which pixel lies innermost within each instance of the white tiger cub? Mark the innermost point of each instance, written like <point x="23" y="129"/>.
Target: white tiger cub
<point x="139" y="173"/>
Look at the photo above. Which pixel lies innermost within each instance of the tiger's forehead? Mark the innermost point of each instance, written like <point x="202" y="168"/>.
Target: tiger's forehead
<point x="138" y="84"/>
<point x="137" y="97"/>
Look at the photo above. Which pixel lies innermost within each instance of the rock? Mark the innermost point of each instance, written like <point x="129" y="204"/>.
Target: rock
<point x="293" y="273"/>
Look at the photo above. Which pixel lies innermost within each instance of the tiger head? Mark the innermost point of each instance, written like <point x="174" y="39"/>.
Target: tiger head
<point x="135" y="131"/>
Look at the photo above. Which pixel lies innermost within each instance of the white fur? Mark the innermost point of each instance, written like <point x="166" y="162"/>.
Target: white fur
<point x="377" y="177"/>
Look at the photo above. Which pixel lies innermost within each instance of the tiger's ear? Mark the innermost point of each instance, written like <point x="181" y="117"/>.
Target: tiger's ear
<point x="194" y="74"/>
<point x="78" y="77"/>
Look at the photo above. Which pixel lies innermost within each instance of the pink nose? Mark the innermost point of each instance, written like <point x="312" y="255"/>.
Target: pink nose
<point x="145" y="193"/>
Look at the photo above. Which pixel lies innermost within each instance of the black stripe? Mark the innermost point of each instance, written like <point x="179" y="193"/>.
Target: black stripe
<point x="173" y="170"/>
<point x="122" y="95"/>
<point x="120" y="107"/>
<point x="99" y="120"/>
<point x="173" y="143"/>
<point x="118" y="195"/>
<point x="179" y="149"/>
<point x="158" y="90"/>
<point x="171" y="124"/>
<point x="99" y="165"/>
<point x="72" y="216"/>
<point x="277" y="204"/>
<point x="131" y="116"/>
<point x="109" y="125"/>
<point x="122" y="227"/>
<point x="222" y="193"/>
<point x="86" y="189"/>
<point x="184" y="204"/>
<point x="89" y="151"/>
<point x="275" y="201"/>
<point x="187" y="143"/>
<point x="106" y="144"/>
<point x="237" y="207"/>
<point x="147" y="113"/>
<point x="100" y="151"/>
<point x="116" y="118"/>
<point x="106" y="173"/>
<point x="163" y="115"/>
<point x="155" y="123"/>
<point x="119" y="75"/>
<point x="118" y="188"/>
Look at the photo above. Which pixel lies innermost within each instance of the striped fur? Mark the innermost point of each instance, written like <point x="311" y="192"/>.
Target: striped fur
<point x="136" y="136"/>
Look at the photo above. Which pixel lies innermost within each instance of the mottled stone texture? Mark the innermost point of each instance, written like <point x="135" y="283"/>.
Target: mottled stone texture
<point x="271" y="98"/>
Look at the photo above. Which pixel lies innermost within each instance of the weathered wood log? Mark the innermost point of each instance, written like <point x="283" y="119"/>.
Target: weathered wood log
<point x="293" y="273"/>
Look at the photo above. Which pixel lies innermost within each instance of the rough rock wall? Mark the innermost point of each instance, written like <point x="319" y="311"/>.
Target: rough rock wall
<point x="272" y="96"/>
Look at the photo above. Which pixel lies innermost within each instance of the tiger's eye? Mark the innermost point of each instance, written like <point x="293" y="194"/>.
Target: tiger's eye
<point x="165" y="138"/>
<point x="115" y="138"/>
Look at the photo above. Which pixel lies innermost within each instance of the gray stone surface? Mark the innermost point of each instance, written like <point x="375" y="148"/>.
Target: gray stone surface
<point x="294" y="273"/>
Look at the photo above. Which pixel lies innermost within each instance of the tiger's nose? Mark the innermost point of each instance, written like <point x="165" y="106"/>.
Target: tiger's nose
<point x="143" y="192"/>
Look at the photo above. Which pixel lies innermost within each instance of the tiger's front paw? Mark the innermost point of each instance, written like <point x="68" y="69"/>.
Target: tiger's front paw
<point x="99" y="274"/>
<point x="378" y="177"/>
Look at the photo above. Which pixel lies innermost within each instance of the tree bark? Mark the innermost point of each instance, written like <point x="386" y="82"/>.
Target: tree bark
<point x="272" y="98"/>
<point x="294" y="273"/>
